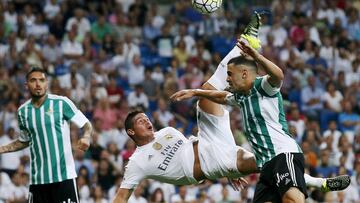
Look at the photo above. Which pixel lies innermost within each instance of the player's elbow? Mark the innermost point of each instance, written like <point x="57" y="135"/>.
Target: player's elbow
<point x="280" y="75"/>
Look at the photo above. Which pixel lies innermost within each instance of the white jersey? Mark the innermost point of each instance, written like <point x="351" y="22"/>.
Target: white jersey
<point x="168" y="158"/>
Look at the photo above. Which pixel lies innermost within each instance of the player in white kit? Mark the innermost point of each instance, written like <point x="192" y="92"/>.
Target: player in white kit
<point x="168" y="156"/>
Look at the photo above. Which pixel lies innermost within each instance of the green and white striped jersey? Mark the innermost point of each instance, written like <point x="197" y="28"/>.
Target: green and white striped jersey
<point x="47" y="129"/>
<point x="264" y="121"/>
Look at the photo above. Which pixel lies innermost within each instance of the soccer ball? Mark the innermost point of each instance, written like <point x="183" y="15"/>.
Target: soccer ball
<point x="206" y="6"/>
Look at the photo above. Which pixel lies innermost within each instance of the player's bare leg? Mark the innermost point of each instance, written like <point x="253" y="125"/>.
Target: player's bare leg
<point x="246" y="163"/>
<point x="293" y="195"/>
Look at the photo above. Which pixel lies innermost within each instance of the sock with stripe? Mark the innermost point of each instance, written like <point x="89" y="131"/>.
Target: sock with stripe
<point x="314" y="182"/>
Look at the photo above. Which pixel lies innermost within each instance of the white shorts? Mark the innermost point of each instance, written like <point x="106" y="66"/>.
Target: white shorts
<point x="218" y="79"/>
<point x="217" y="148"/>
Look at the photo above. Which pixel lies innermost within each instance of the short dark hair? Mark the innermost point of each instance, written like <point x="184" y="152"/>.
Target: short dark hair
<point x="35" y="69"/>
<point x="241" y="60"/>
<point x="129" y="124"/>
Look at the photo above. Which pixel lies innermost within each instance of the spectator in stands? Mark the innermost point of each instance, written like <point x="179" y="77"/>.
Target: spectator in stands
<point x="353" y="77"/>
<point x="157" y="196"/>
<point x="346" y="152"/>
<point x="138" y="98"/>
<point x="165" y="42"/>
<point x="309" y="155"/>
<point x="136" y="196"/>
<point x="311" y="98"/>
<point x="84" y="189"/>
<point x="80" y="21"/>
<point x="51" y="50"/>
<point x="332" y="105"/>
<point x="325" y="169"/>
<point x="136" y="70"/>
<point x="71" y="49"/>
<point x="51" y="9"/>
<point x="298" y="121"/>
<point x="98" y="195"/>
<point x="317" y="63"/>
<point x="180" y="53"/>
<point x="105" y="114"/>
<point x="341" y="62"/>
<point x="189" y="41"/>
<point x="182" y="196"/>
<point x="114" y="91"/>
<point x="348" y="119"/>
<point x="100" y="29"/>
<point x="39" y="28"/>
<point x="10" y="162"/>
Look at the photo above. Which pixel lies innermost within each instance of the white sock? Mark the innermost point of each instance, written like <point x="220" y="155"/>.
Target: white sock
<point x="313" y="182"/>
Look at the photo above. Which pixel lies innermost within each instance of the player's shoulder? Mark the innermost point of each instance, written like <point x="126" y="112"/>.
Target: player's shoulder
<point x="132" y="163"/>
<point x="22" y="106"/>
<point x="57" y="97"/>
<point x="167" y="130"/>
<point x="133" y="158"/>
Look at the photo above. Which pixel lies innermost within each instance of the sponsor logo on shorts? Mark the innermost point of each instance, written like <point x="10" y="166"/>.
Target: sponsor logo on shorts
<point x="280" y="177"/>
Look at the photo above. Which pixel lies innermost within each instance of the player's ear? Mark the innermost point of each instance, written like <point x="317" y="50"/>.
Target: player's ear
<point x="244" y="74"/>
<point x="130" y="132"/>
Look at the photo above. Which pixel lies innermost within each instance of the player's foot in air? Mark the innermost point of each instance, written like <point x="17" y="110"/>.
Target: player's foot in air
<point x="251" y="31"/>
<point x="337" y="183"/>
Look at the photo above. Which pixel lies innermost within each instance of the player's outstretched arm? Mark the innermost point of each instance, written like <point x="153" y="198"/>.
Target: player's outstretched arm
<point x="213" y="95"/>
<point x="122" y="195"/>
<point x="276" y="75"/>
<point x="14" y="146"/>
<point x="84" y="142"/>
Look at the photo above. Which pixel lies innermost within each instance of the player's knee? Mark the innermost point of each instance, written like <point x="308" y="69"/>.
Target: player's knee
<point x="246" y="162"/>
<point x="293" y="195"/>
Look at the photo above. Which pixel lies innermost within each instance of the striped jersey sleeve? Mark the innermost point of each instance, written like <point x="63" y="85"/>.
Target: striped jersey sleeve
<point x="267" y="87"/>
<point x="72" y="113"/>
<point x="231" y="100"/>
<point x="24" y="134"/>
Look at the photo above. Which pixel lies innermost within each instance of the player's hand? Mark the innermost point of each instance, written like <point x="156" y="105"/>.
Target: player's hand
<point x="182" y="95"/>
<point x="238" y="184"/>
<point x="84" y="143"/>
<point x="246" y="49"/>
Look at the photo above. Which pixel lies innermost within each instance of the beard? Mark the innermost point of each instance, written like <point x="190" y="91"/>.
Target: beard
<point x="229" y="89"/>
<point x="37" y="95"/>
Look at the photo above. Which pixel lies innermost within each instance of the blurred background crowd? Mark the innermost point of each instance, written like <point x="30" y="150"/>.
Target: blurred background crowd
<point x="111" y="56"/>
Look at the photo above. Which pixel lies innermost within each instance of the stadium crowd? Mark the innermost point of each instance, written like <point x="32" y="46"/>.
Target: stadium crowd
<point x="112" y="56"/>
